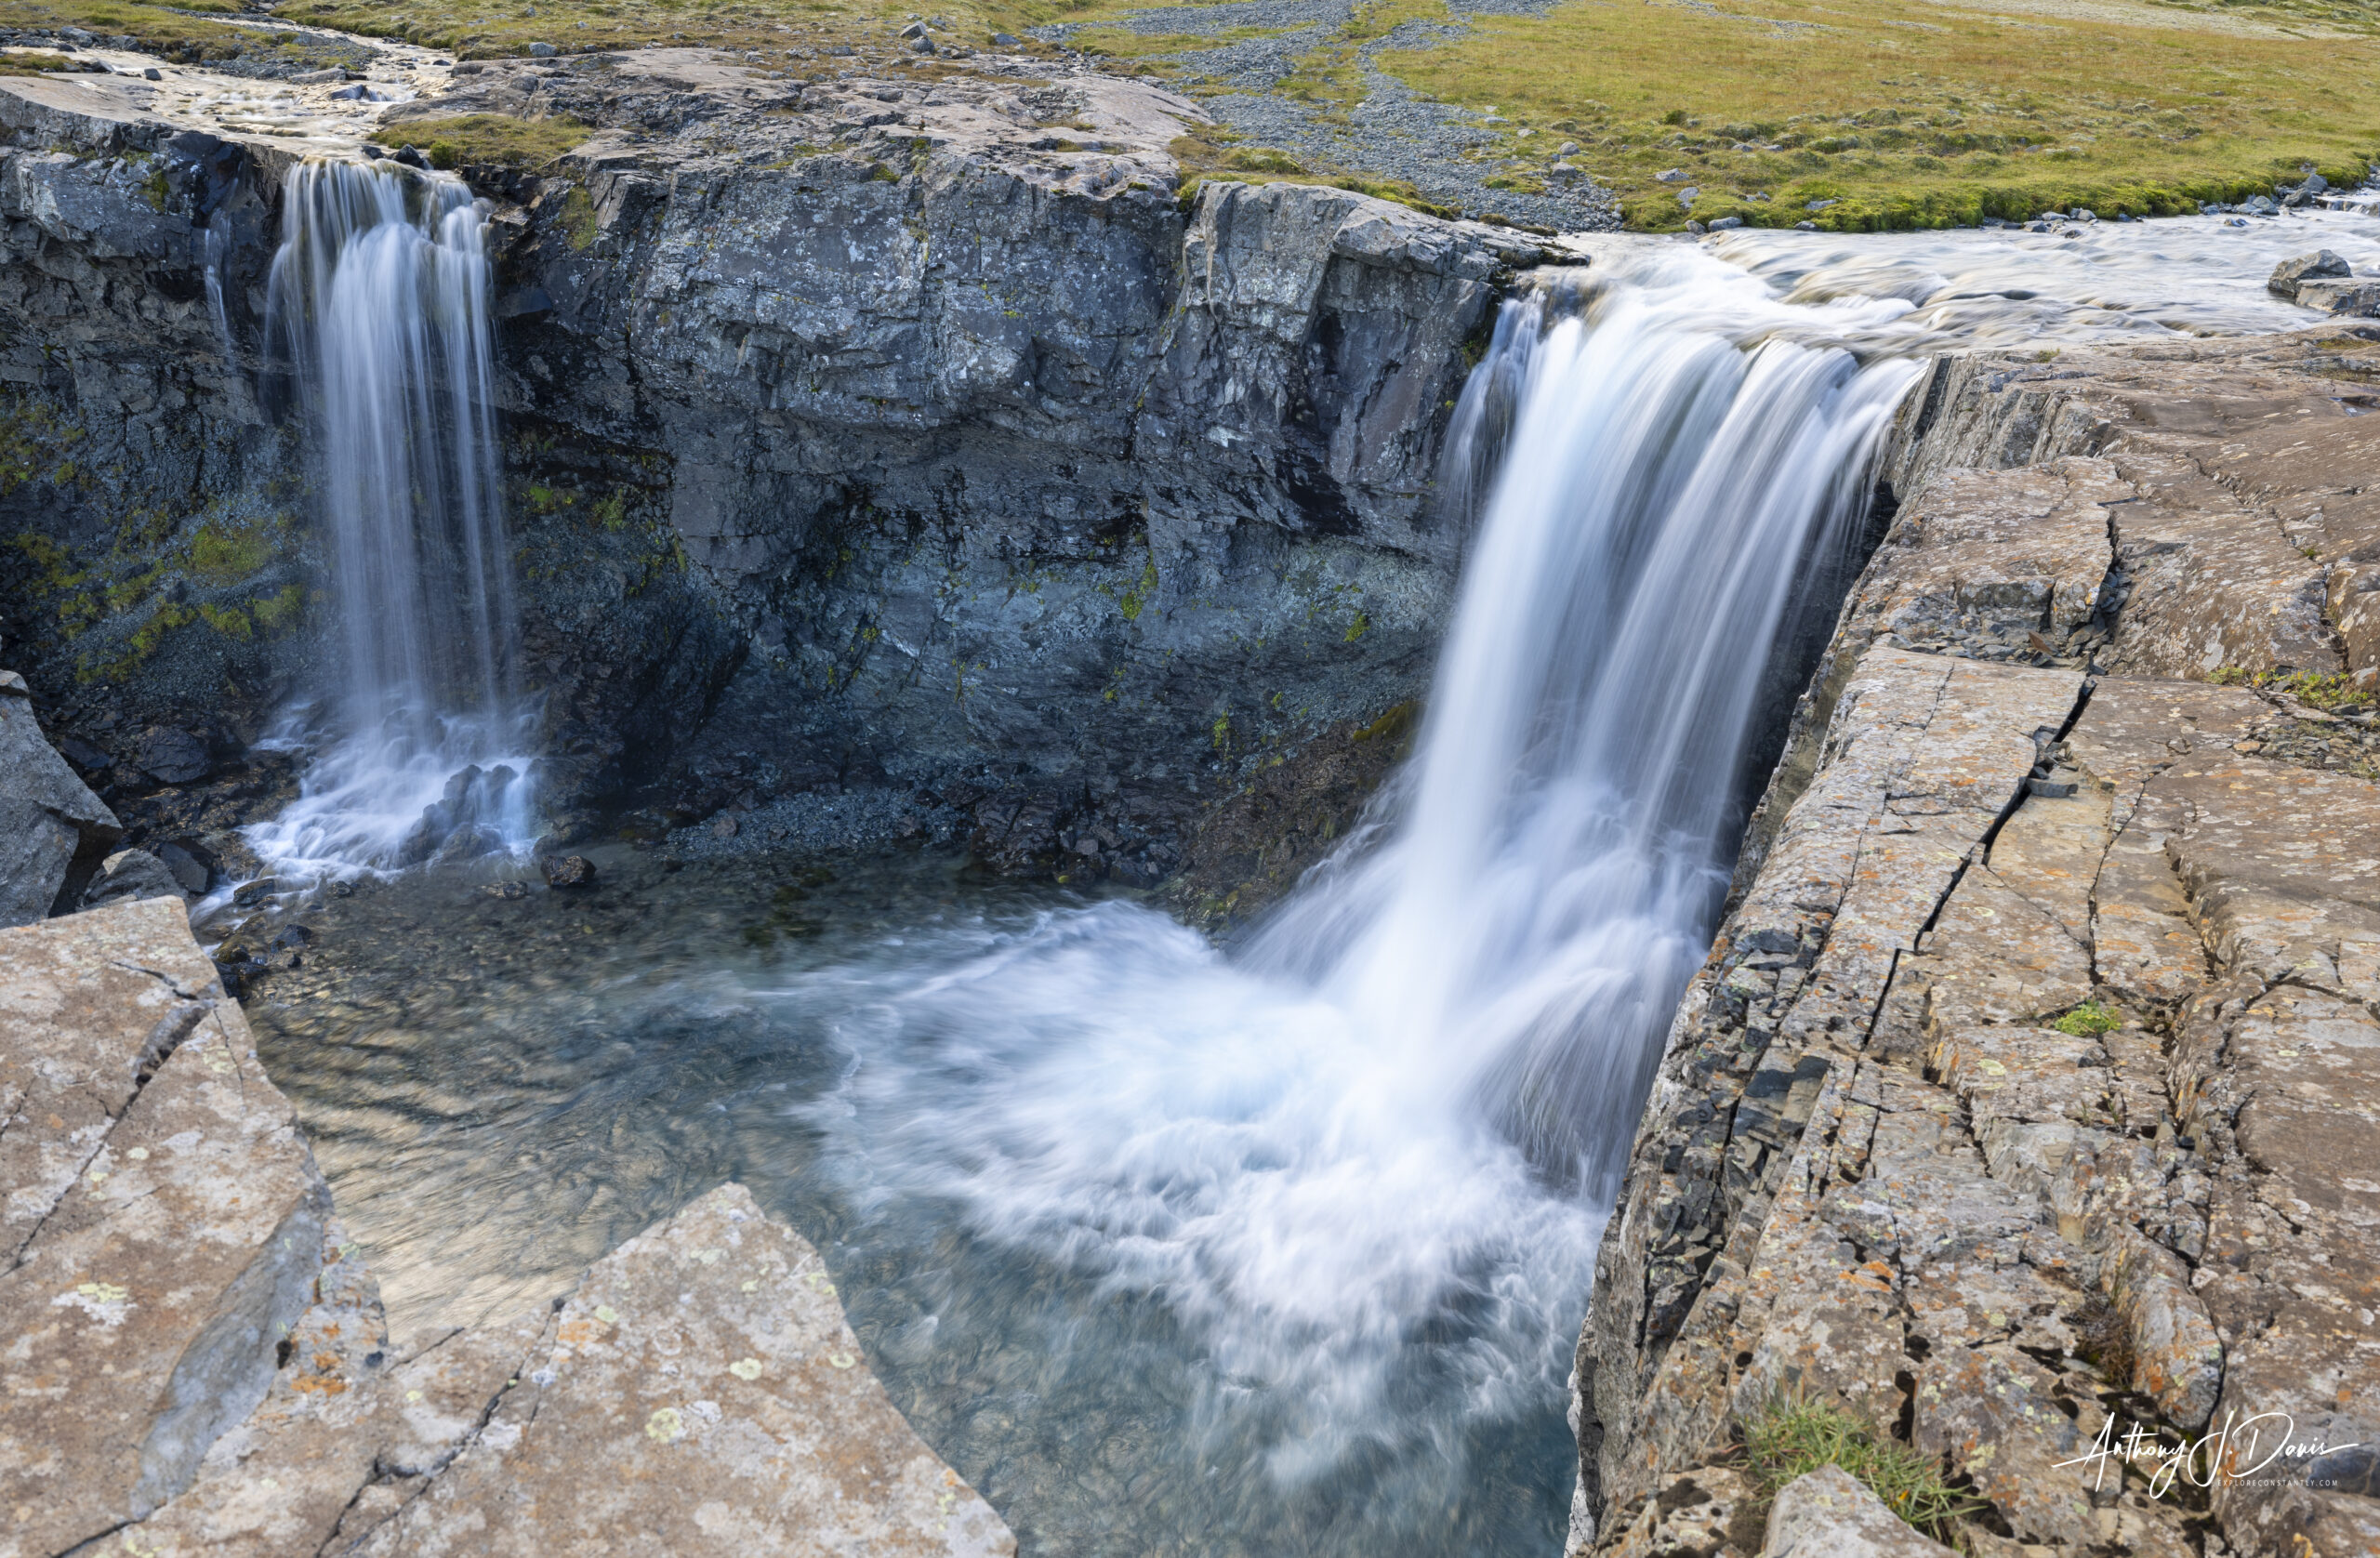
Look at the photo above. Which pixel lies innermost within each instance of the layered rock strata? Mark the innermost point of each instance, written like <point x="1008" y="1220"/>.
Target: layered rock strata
<point x="863" y="433"/>
<point x="2029" y="1087"/>
<point x="193" y="1359"/>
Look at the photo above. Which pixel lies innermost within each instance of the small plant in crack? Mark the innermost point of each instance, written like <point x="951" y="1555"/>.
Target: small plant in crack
<point x="1793" y="1437"/>
<point x="2089" y="1021"/>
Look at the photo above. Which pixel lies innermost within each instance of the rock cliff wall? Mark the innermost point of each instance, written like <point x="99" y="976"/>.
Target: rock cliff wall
<point x="859" y="433"/>
<point x="2029" y="1085"/>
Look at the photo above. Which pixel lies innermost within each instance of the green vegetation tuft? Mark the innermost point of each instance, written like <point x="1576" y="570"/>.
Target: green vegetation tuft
<point x="34" y="62"/>
<point x="2307" y="687"/>
<point x="2089" y="1021"/>
<point x="221" y="555"/>
<point x="1794" y="1438"/>
<point x="489" y="140"/>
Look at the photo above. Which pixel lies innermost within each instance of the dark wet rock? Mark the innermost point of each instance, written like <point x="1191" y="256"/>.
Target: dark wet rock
<point x="130" y="874"/>
<point x="54" y="832"/>
<point x="504" y="890"/>
<point x="472" y="841"/>
<point x="569" y="871"/>
<point x="173" y="757"/>
<point x="1248" y="846"/>
<point x="248" y="894"/>
<point x="187" y="870"/>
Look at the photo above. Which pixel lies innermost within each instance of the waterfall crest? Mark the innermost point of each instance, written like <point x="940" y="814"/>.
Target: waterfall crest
<point x="378" y="314"/>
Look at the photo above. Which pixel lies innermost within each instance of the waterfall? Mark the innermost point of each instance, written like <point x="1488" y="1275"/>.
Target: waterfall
<point x="1364" y="1160"/>
<point x="377" y="310"/>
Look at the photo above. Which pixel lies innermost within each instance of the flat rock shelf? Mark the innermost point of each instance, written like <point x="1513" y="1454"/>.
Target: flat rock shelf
<point x="193" y="1357"/>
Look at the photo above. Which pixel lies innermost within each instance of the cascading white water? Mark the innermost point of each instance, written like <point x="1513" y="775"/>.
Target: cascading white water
<point x="1397" y="1114"/>
<point x="378" y="308"/>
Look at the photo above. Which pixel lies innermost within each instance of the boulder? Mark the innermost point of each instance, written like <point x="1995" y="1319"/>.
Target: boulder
<point x="700" y="1392"/>
<point x="164" y="1221"/>
<point x="2321" y="265"/>
<point x="569" y="871"/>
<point x="132" y="874"/>
<point x="2349" y="299"/>
<point x="53" y="830"/>
<point x="173" y="757"/>
<point x="1831" y="1512"/>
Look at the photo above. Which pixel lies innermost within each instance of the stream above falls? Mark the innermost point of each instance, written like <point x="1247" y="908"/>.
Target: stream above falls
<point x="1275" y="1250"/>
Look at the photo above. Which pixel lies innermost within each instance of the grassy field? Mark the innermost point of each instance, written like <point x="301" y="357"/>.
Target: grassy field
<point x="1884" y="114"/>
<point x="1899" y="114"/>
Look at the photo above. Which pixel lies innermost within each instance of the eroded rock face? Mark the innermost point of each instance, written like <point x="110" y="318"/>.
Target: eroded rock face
<point x="194" y="1358"/>
<point x="2028" y="1087"/>
<point x="867" y="433"/>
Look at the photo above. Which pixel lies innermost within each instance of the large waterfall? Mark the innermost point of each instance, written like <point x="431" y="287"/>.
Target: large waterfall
<point x="1359" y="1165"/>
<point x="379" y="313"/>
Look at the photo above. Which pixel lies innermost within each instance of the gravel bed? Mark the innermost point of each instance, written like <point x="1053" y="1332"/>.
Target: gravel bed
<point x="1392" y="133"/>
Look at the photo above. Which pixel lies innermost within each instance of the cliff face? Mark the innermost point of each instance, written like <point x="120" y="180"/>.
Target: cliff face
<point x="858" y="433"/>
<point x="2029" y="1086"/>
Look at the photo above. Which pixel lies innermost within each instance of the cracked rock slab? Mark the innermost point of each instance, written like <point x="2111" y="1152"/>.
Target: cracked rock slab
<point x="700" y="1392"/>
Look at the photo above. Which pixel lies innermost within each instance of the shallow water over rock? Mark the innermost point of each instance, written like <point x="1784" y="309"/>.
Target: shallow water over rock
<point x="501" y="1089"/>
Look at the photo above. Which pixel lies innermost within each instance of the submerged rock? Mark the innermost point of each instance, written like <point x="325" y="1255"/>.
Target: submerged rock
<point x="568" y="871"/>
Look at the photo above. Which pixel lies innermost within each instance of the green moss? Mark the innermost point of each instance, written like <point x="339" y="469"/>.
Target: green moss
<point x="222" y="556"/>
<point x="2307" y="687"/>
<point x="491" y="140"/>
<point x="1392" y="726"/>
<point x="1358" y="627"/>
<point x="1791" y="1439"/>
<point x="445" y="154"/>
<point x="141" y="647"/>
<point x="2089" y="1021"/>
<point x="231" y="622"/>
<point x="1134" y="598"/>
<point x="55" y="572"/>
<point x="578" y="224"/>
<point x="279" y="613"/>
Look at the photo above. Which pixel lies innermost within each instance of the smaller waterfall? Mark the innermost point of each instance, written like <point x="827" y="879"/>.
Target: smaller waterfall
<point x="379" y="312"/>
<point x="212" y="246"/>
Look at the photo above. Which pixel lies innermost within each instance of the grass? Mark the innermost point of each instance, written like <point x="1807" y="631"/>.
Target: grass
<point x="1885" y="114"/>
<point x="488" y="139"/>
<point x="190" y="33"/>
<point x="1880" y="113"/>
<point x="2307" y="687"/>
<point x="1794" y="1438"/>
<point x="33" y="62"/>
<point x="2089" y="1021"/>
